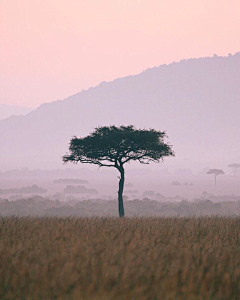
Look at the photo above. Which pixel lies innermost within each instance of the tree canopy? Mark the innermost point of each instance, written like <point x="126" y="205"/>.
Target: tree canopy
<point x="215" y="171"/>
<point x="112" y="146"/>
<point x="234" y="165"/>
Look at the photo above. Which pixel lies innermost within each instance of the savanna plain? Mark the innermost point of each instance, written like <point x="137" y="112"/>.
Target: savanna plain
<point x="105" y="258"/>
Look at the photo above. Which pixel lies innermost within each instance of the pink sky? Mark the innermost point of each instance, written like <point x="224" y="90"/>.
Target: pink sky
<point x="51" y="49"/>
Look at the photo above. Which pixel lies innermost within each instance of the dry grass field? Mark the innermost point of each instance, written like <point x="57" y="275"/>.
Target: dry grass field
<point x="111" y="258"/>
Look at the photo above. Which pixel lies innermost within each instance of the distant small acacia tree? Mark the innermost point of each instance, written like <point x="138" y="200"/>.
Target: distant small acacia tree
<point x="111" y="146"/>
<point x="234" y="167"/>
<point x="215" y="172"/>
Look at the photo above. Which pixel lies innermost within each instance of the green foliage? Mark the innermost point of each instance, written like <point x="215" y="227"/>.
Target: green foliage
<point x="114" y="146"/>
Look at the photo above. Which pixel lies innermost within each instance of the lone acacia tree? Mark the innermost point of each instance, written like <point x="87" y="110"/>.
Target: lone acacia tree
<point x="115" y="146"/>
<point x="215" y="172"/>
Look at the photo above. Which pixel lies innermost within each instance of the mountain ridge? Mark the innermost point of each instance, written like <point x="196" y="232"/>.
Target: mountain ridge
<point x="7" y="110"/>
<point x="192" y="99"/>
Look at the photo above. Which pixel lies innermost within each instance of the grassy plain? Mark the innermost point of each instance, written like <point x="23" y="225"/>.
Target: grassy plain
<point x="109" y="258"/>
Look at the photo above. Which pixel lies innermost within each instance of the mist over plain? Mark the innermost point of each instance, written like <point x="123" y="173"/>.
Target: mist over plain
<point x="195" y="101"/>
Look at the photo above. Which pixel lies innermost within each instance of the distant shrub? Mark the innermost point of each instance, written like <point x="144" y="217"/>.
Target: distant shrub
<point x="34" y="189"/>
<point x="176" y="183"/>
<point x="70" y="181"/>
<point x="148" y="193"/>
<point x="80" y="189"/>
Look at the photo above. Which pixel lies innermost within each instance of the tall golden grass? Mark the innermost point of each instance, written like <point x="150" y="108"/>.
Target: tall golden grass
<point x="109" y="258"/>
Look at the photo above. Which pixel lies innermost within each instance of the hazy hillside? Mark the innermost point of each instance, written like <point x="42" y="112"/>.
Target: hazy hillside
<point x="9" y="110"/>
<point x="196" y="101"/>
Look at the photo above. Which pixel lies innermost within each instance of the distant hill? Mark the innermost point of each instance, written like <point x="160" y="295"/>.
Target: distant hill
<point x="197" y="101"/>
<point x="9" y="110"/>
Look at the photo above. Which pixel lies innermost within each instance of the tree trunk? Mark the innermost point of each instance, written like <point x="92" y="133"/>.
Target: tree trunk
<point x="120" y="193"/>
<point x="215" y="176"/>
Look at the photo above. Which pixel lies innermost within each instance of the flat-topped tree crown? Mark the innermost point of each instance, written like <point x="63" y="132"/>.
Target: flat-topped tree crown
<point x="234" y="166"/>
<point x="112" y="146"/>
<point x="215" y="172"/>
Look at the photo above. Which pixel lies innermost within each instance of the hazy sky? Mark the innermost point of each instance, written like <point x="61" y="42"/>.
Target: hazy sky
<point x="51" y="49"/>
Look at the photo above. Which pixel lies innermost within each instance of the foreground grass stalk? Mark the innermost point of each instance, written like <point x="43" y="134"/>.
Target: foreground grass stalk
<point x="128" y="258"/>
